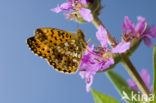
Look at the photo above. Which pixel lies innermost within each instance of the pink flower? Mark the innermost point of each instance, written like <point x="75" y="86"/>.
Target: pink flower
<point x="145" y="77"/>
<point x="140" y="31"/>
<point x="95" y="60"/>
<point x="72" y="7"/>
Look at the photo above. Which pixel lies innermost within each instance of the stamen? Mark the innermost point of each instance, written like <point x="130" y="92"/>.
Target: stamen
<point x="77" y="5"/>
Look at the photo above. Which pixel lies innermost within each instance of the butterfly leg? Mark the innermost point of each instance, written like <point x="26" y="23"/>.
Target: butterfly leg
<point x="90" y="39"/>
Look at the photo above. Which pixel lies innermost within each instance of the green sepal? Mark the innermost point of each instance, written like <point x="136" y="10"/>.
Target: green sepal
<point x="133" y="47"/>
<point x="95" y="6"/>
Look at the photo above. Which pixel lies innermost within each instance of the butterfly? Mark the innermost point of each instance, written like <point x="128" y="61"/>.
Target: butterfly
<point x="63" y="50"/>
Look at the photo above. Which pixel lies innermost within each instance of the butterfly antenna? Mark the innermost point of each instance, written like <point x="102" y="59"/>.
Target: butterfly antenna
<point x="77" y="25"/>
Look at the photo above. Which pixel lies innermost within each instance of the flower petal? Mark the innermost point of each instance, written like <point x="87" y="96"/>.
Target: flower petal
<point x="69" y="15"/>
<point x="86" y="14"/>
<point x="109" y="62"/>
<point x="83" y="2"/>
<point x="88" y="58"/>
<point x="85" y="65"/>
<point x="89" y="66"/>
<point x="150" y="32"/>
<point x="121" y="47"/>
<point x="89" y="82"/>
<point x="148" y="42"/>
<point x="141" y="25"/>
<point x="101" y="35"/>
<point x="82" y="74"/>
<point x="88" y="75"/>
<point x="57" y="9"/>
<point x="70" y="1"/>
<point x="66" y="6"/>
<point x="128" y="25"/>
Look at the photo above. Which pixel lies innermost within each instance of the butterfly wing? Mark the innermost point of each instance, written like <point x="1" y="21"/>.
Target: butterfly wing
<point x="41" y="50"/>
<point x="38" y="47"/>
<point x="63" y="50"/>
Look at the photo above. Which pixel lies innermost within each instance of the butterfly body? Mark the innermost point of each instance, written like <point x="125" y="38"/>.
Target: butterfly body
<point x="63" y="50"/>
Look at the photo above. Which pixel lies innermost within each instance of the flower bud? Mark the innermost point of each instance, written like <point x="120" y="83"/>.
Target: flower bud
<point x="95" y="6"/>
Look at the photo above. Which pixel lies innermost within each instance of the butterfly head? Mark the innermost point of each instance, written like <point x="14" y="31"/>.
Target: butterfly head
<point x="81" y="37"/>
<point x="80" y="33"/>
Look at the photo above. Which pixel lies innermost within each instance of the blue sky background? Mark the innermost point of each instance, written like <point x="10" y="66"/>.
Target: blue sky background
<point x="26" y="78"/>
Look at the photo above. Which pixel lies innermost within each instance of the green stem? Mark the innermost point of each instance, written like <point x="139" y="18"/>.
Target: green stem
<point x="154" y="70"/>
<point x="135" y="75"/>
<point x="125" y="61"/>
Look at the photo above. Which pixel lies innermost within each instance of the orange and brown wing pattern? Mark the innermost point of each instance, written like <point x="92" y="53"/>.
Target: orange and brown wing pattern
<point x="43" y="51"/>
<point x="53" y="37"/>
<point x="63" y="50"/>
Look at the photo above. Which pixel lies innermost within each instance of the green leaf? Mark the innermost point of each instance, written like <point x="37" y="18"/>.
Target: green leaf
<point x="103" y="98"/>
<point x="122" y="87"/>
<point x="154" y="70"/>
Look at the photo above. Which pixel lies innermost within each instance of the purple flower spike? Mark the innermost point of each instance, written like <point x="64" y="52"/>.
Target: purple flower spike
<point x="145" y="77"/>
